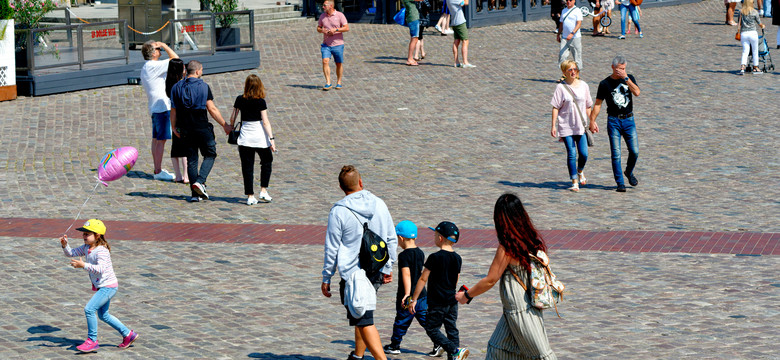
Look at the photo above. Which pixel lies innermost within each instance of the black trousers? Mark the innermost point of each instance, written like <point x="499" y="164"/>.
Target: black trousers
<point x="247" y="155"/>
<point x="443" y="315"/>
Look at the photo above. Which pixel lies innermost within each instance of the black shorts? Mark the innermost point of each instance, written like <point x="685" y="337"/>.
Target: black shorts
<point x="368" y="318"/>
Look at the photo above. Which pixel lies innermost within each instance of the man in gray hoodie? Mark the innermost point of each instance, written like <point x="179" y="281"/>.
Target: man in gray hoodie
<point x="342" y="249"/>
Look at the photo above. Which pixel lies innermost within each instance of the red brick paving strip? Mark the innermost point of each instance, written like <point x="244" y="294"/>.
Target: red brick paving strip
<point x="625" y="241"/>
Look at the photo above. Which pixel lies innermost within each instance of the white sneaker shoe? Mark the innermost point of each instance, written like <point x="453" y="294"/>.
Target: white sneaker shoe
<point x="438" y="28"/>
<point x="265" y="197"/>
<point x="164" y="175"/>
<point x="468" y="66"/>
<point x="251" y="201"/>
<point x="449" y="31"/>
<point x="200" y="189"/>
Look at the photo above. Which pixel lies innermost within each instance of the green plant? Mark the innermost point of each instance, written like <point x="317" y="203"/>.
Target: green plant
<point x="6" y="11"/>
<point x="28" y="15"/>
<point x="218" y="6"/>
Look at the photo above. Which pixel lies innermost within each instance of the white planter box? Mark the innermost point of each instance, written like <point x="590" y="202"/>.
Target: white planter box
<point x="7" y="61"/>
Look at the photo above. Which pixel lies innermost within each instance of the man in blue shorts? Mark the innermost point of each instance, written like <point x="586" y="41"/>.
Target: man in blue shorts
<point x="332" y="24"/>
<point x="153" y="76"/>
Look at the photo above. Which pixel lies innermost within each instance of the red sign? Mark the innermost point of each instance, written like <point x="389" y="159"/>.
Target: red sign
<point x="103" y="33"/>
<point x="192" y="28"/>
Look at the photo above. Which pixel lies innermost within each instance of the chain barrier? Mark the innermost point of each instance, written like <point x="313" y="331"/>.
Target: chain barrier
<point x="128" y="26"/>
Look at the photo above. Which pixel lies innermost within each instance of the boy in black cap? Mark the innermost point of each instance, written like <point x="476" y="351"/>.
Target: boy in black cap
<point x="443" y="268"/>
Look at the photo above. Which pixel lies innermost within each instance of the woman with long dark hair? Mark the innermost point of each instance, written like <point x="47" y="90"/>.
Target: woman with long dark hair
<point x="178" y="149"/>
<point x="520" y="332"/>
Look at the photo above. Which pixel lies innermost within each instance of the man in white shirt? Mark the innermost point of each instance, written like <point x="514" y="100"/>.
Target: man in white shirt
<point x="153" y="76"/>
<point x="569" y="34"/>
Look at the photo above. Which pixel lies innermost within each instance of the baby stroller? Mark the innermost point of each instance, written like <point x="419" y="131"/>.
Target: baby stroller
<point x="764" y="58"/>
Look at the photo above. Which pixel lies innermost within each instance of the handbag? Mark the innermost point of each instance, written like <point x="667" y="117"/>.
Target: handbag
<point x="547" y="290"/>
<point x="582" y="118"/>
<point x="233" y="135"/>
<point x="400" y="17"/>
<point x="738" y="36"/>
<point x="636" y="2"/>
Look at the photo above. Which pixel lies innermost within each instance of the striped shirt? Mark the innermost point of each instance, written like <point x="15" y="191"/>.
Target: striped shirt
<point x="97" y="263"/>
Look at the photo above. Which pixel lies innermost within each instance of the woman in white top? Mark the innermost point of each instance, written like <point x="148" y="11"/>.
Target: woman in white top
<point x="256" y="137"/>
<point x="572" y="104"/>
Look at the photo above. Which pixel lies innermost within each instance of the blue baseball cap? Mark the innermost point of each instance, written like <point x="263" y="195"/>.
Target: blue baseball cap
<point x="406" y="229"/>
<point x="448" y="230"/>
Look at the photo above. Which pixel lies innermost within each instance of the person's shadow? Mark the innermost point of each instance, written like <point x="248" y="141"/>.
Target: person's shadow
<point x="273" y="356"/>
<point x="554" y="185"/>
<point x="51" y="341"/>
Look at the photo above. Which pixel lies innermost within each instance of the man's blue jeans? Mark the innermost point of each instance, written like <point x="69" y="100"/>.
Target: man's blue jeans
<point x="573" y="144"/>
<point x="99" y="304"/>
<point x="403" y="319"/>
<point x="626" y="128"/>
<point x="633" y="12"/>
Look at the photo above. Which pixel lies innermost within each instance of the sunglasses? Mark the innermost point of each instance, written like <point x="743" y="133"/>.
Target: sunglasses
<point x="573" y="69"/>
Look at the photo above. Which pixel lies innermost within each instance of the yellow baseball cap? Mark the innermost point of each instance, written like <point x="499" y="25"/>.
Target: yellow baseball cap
<point x="94" y="225"/>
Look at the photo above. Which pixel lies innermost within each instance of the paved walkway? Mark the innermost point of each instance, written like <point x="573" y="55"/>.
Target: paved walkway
<point x="686" y="266"/>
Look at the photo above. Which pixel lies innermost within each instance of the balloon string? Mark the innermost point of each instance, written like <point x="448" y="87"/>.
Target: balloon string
<point x="82" y="206"/>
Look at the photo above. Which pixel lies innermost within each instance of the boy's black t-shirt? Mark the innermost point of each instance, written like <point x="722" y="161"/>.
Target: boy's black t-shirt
<point x="616" y="94"/>
<point x="443" y="279"/>
<point x="413" y="259"/>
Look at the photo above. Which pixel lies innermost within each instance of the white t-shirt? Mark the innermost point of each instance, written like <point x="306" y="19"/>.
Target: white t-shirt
<point x="253" y="135"/>
<point x="153" y="76"/>
<point x="570" y="21"/>
<point x="456" y="12"/>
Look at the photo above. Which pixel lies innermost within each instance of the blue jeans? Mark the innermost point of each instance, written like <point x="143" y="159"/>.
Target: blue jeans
<point x="99" y="304"/>
<point x="573" y="144"/>
<point x="631" y="9"/>
<point x="403" y="319"/>
<point x="627" y="129"/>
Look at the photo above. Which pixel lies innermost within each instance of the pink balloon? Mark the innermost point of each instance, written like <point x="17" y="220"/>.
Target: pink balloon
<point x="116" y="163"/>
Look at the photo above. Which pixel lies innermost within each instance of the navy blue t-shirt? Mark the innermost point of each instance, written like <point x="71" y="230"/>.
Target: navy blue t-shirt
<point x="189" y="97"/>
<point x="443" y="279"/>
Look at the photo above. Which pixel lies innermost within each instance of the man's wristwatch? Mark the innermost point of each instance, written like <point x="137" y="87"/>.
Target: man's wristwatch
<point x="626" y="79"/>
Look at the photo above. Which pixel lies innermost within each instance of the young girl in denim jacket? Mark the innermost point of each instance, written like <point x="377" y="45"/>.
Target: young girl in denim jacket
<point x="97" y="253"/>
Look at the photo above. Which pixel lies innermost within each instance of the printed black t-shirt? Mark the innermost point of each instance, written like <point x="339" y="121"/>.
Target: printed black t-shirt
<point x="443" y="279"/>
<point x="413" y="259"/>
<point x="616" y="94"/>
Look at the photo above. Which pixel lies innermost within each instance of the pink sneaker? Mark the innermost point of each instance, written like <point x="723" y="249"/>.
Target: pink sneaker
<point x="88" y="346"/>
<point x="128" y="340"/>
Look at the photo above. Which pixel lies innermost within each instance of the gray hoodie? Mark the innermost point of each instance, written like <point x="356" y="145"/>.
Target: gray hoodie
<point x="345" y="231"/>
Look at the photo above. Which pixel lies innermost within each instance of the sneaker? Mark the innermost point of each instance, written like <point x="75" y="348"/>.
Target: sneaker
<point x="437" y="351"/>
<point x="621" y="188"/>
<point x="353" y="357"/>
<point x="632" y="180"/>
<point x="469" y="66"/>
<point x="195" y="199"/>
<point x="127" y="340"/>
<point x="200" y="189"/>
<point x="438" y="28"/>
<point x="621" y="37"/>
<point x="392" y="349"/>
<point x="327" y="87"/>
<point x="264" y="197"/>
<point x="461" y="354"/>
<point x="641" y="35"/>
<point x="449" y="31"/>
<point x="251" y="201"/>
<point x="88" y="346"/>
<point x="164" y="175"/>
<point x="339" y="87"/>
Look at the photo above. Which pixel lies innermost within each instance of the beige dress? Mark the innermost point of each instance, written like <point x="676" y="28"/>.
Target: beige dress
<point x="520" y="332"/>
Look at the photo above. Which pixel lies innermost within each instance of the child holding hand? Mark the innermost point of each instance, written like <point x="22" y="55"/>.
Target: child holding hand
<point x="97" y="253"/>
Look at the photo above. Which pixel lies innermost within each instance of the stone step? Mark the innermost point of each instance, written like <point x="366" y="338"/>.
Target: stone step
<point x="274" y="9"/>
<point x="277" y="16"/>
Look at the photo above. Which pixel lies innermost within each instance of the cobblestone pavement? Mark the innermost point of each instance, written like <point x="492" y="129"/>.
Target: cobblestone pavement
<point x="231" y="301"/>
<point x="436" y="143"/>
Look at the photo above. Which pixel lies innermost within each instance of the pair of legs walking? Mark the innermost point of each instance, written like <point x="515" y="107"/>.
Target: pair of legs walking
<point x="337" y="52"/>
<point x="626" y="128"/>
<point x="97" y="307"/>
<point x="247" y="155"/>
<point x="200" y="140"/>
<point x="574" y="144"/>
<point x="629" y="10"/>
<point x="448" y="316"/>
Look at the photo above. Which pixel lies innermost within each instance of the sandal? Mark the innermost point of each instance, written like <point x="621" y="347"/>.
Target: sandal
<point x="575" y="187"/>
<point x="582" y="179"/>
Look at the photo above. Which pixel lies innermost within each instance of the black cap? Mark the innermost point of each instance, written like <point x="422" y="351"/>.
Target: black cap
<point x="448" y="230"/>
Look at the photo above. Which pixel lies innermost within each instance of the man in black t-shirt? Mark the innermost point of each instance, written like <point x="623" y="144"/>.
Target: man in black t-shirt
<point x="618" y="91"/>
<point x="443" y="270"/>
<point x="191" y="102"/>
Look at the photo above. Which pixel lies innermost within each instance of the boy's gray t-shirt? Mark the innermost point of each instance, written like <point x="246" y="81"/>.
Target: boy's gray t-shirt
<point x="749" y="21"/>
<point x="456" y="12"/>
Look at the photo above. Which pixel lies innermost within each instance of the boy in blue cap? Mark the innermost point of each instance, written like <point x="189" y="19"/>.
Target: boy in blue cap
<point x="443" y="269"/>
<point x="410" y="265"/>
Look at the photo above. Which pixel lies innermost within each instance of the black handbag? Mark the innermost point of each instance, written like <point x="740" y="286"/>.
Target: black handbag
<point x="233" y="135"/>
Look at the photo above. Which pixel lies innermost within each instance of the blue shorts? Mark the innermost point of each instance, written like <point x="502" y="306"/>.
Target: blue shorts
<point x="161" y="126"/>
<point x="414" y="28"/>
<point x="337" y="52"/>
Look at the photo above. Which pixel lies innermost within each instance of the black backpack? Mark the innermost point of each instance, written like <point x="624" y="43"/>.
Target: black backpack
<point x="373" y="251"/>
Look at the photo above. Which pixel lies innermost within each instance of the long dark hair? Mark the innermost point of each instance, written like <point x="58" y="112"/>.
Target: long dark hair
<point x="514" y="229"/>
<point x="175" y="73"/>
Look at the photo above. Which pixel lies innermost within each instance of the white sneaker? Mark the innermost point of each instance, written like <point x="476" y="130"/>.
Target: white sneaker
<point x="265" y="197"/>
<point x="200" y="189"/>
<point x="449" y="31"/>
<point x="164" y="175"/>
<point x="251" y="201"/>
<point x="438" y="28"/>
<point x="468" y="66"/>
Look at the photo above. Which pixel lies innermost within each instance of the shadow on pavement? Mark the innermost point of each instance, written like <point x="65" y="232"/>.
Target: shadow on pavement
<point x="555" y="185"/>
<point x="312" y="87"/>
<point x="42" y="329"/>
<point x="286" y="357"/>
<point x="229" y="200"/>
<point x="709" y="23"/>
<point x="543" y="80"/>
